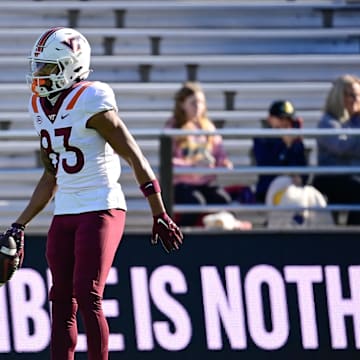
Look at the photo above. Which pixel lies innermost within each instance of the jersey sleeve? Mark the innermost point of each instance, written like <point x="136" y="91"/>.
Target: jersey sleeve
<point x="99" y="97"/>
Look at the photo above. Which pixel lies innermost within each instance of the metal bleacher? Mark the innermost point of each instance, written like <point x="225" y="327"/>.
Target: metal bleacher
<point x="244" y="53"/>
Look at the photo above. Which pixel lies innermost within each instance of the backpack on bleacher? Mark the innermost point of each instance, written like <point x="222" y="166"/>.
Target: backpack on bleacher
<point x="283" y="192"/>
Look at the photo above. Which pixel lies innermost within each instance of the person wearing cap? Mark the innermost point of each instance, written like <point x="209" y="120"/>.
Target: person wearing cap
<point x="282" y="151"/>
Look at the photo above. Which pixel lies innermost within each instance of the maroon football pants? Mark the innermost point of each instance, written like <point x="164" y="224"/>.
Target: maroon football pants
<point x="80" y="251"/>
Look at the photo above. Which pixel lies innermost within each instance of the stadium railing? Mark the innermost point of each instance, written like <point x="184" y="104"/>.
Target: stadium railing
<point x="166" y="171"/>
<point x="157" y="118"/>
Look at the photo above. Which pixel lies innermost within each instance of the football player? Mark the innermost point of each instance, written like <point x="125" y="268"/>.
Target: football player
<point x="82" y="139"/>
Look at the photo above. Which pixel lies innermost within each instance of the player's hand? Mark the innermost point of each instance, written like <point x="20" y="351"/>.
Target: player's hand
<point x="11" y="252"/>
<point x="15" y="231"/>
<point x="167" y="232"/>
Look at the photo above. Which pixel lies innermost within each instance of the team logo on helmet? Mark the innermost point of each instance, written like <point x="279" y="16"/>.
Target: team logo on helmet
<point x="74" y="43"/>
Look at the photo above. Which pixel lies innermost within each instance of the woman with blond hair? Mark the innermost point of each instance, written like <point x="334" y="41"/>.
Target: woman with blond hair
<point x="341" y="110"/>
<point x="190" y="113"/>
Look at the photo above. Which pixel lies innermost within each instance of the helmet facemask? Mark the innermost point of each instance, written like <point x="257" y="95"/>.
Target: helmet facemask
<point x="45" y="78"/>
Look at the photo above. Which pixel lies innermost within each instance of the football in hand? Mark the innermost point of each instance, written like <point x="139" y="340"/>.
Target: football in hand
<point x="9" y="260"/>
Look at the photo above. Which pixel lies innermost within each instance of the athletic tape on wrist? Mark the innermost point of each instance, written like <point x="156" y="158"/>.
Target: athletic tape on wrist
<point x="18" y="226"/>
<point x="150" y="187"/>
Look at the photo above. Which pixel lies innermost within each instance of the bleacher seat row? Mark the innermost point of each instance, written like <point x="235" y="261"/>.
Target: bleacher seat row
<point x="136" y="96"/>
<point x="211" y="68"/>
<point x="168" y="41"/>
<point x="323" y="13"/>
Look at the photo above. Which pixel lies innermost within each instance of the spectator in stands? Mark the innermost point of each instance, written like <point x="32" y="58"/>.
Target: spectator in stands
<point x="281" y="151"/>
<point x="341" y="110"/>
<point x="190" y="113"/>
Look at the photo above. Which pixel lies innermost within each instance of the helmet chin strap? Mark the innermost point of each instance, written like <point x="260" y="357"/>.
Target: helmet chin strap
<point x="42" y="87"/>
<point x="53" y="97"/>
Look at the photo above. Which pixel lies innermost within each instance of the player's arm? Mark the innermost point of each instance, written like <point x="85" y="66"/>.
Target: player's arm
<point x="114" y="131"/>
<point x="43" y="192"/>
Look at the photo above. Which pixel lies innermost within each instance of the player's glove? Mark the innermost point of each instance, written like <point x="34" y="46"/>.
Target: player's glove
<point x="11" y="251"/>
<point x="15" y="231"/>
<point x="165" y="230"/>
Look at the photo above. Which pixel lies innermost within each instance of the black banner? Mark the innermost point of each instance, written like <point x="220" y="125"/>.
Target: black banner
<point x="223" y="296"/>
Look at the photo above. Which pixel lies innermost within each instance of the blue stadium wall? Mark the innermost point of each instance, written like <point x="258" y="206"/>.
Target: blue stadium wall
<point x="227" y="296"/>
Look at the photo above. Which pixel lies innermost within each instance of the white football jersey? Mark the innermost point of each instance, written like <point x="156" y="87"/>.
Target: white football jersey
<point x="87" y="168"/>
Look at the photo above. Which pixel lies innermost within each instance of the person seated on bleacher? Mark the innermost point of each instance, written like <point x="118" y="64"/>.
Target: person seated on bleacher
<point x="190" y="113"/>
<point x="280" y="151"/>
<point x="341" y="110"/>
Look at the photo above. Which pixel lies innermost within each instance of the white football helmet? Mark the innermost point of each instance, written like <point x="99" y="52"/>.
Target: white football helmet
<point x="69" y="53"/>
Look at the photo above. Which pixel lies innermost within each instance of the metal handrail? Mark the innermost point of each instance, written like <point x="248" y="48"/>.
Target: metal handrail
<point x="259" y="208"/>
<point x="266" y="170"/>
<point x="254" y="132"/>
<point x="167" y="171"/>
<point x="237" y="133"/>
